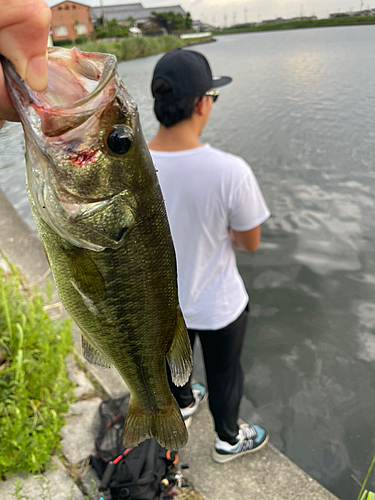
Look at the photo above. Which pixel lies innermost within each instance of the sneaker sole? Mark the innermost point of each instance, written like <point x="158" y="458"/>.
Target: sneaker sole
<point x="221" y="459"/>
<point x="188" y="421"/>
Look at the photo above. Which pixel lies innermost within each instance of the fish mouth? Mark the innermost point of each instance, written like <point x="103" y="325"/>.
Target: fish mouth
<point x="77" y="89"/>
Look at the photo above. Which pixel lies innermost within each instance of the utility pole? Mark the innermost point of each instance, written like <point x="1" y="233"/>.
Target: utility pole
<point x="234" y="17"/>
<point x="225" y="20"/>
<point x="245" y="15"/>
<point x="102" y="15"/>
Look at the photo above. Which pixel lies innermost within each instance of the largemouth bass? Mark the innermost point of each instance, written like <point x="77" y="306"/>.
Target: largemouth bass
<point x="100" y="214"/>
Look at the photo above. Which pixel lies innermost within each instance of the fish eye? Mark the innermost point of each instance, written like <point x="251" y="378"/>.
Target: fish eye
<point x="120" y="139"/>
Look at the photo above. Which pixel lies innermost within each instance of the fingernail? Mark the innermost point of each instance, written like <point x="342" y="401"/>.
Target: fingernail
<point x="36" y="73"/>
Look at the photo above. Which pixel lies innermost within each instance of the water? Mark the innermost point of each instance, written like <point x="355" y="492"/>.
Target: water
<point x="300" y="111"/>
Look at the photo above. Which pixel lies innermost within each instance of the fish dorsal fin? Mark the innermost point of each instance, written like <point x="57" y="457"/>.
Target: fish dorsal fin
<point x="92" y="355"/>
<point x="86" y="276"/>
<point x="179" y="356"/>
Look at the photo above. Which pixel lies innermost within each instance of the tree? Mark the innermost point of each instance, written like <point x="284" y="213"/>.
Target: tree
<point x="188" y="21"/>
<point x="171" y="21"/>
<point x="114" y="30"/>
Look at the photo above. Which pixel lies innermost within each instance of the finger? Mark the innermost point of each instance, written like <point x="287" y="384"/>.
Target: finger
<point x="24" y="29"/>
<point x="7" y="111"/>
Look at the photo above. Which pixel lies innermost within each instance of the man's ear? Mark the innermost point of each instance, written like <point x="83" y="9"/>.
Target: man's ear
<point x="199" y="107"/>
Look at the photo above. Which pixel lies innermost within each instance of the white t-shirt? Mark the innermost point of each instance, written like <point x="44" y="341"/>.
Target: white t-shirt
<point x="207" y="191"/>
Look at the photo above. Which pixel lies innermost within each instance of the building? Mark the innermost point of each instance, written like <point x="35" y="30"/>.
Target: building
<point x="134" y="11"/>
<point x="367" y="12"/>
<point x="70" y="19"/>
<point x="281" y="20"/>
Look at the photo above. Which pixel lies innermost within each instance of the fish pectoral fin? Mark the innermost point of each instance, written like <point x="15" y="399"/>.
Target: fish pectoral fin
<point x="165" y="425"/>
<point x="92" y="355"/>
<point x="179" y="356"/>
<point x="85" y="274"/>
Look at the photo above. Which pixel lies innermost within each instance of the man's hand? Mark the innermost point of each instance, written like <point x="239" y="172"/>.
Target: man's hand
<point x="247" y="241"/>
<point x="24" y="28"/>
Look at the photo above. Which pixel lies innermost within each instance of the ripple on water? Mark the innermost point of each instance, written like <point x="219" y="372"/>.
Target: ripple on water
<point x="366" y="350"/>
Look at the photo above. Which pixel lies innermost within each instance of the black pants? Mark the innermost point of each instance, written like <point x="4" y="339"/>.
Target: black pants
<point x="221" y="352"/>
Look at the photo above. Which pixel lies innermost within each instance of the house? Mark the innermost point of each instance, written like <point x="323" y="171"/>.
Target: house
<point x="134" y="11"/>
<point x="70" y="19"/>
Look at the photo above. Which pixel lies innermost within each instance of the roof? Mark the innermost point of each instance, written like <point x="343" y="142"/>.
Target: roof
<point x="177" y="9"/>
<point x="134" y="10"/>
<point x="71" y="1"/>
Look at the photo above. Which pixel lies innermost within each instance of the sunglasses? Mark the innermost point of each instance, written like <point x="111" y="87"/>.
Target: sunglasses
<point x="214" y="94"/>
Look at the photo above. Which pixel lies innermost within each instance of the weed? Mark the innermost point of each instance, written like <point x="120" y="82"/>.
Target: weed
<point x="364" y="494"/>
<point x="45" y="490"/>
<point x="18" y="493"/>
<point x="132" y="48"/>
<point x="34" y="389"/>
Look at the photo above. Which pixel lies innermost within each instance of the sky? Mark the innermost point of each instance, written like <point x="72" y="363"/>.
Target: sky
<point x="227" y="12"/>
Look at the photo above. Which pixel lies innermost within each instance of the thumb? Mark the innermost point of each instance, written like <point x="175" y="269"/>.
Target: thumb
<point x="24" y="29"/>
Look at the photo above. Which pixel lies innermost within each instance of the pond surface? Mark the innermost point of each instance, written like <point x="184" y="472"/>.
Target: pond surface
<point x="300" y="110"/>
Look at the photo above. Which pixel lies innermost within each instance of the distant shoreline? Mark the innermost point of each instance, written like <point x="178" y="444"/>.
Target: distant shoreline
<point x="129" y="48"/>
<point x="308" y="23"/>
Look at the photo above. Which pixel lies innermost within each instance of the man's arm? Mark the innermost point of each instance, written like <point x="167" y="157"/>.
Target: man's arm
<point x="246" y="241"/>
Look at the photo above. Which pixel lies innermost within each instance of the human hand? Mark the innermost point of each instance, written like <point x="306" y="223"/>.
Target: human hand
<point x="24" y="29"/>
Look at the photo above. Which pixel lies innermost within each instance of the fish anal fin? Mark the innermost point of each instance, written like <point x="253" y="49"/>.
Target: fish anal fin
<point x="179" y="356"/>
<point x="166" y="426"/>
<point x="92" y="355"/>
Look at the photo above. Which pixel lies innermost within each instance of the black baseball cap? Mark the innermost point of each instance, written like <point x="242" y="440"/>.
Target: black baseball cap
<point x="187" y="73"/>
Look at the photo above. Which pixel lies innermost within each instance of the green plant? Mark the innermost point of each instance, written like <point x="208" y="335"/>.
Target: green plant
<point x="81" y="39"/>
<point x="364" y="494"/>
<point x="45" y="493"/>
<point x="308" y="23"/>
<point x="131" y="48"/>
<point x="34" y="389"/>
<point x="112" y="29"/>
<point x="18" y="493"/>
<point x="171" y="21"/>
<point x="62" y="43"/>
<point x="368" y="495"/>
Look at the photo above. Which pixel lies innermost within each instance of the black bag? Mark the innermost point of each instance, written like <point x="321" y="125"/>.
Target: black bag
<point x="129" y="474"/>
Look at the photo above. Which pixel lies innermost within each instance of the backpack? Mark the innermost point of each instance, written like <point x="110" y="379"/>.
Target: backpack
<point x="128" y="474"/>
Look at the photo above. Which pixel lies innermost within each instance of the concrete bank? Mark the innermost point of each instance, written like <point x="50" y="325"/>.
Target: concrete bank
<point x="266" y="475"/>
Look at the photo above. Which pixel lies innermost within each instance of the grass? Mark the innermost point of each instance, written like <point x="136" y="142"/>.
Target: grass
<point x="364" y="494"/>
<point x="308" y="23"/>
<point x="34" y="389"/>
<point x="45" y="490"/>
<point x="133" y="48"/>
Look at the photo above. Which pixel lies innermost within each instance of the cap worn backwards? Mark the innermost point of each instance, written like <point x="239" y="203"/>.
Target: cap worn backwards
<point x="187" y="73"/>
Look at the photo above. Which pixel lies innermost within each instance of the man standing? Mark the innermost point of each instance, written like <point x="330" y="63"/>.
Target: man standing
<point x="213" y="201"/>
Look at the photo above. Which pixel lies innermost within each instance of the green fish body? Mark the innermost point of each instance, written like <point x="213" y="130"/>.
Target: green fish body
<point x="100" y="214"/>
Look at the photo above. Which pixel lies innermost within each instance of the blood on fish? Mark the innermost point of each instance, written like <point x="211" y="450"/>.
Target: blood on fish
<point x="84" y="158"/>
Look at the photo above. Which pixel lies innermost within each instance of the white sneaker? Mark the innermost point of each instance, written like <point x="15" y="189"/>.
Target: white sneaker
<point x="250" y="439"/>
<point x="199" y="395"/>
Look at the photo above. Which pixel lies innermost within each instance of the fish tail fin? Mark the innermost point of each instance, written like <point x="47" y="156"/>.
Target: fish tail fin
<point x="166" y="426"/>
